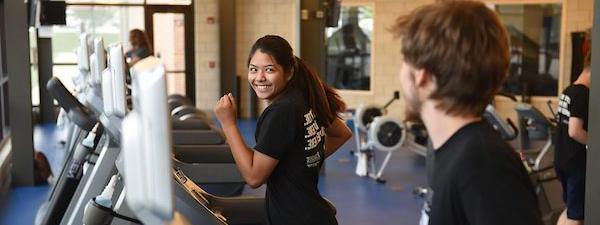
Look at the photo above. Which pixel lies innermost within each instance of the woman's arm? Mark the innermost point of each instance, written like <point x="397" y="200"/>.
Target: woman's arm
<point x="576" y="130"/>
<point x="254" y="166"/>
<point x="336" y="135"/>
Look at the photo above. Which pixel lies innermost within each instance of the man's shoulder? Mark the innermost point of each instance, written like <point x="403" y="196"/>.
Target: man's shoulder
<point x="477" y="136"/>
<point x="480" y="147"/>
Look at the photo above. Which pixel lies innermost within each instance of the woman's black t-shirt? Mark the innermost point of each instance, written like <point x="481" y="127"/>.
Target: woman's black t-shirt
<point x="290" y="132"/>
<point x="140" y="53"/>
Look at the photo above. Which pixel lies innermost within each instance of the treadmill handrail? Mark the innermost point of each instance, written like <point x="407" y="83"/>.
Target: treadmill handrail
<point x="76" y="111"/>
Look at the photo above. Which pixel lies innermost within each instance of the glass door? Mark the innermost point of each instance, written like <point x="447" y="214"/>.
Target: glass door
<point x="170" y="29"/>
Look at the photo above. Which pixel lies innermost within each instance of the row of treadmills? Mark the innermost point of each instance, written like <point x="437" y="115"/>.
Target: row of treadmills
<point x="158" y="159"/>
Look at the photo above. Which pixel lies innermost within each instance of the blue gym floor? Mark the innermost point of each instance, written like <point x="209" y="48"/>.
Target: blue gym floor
<point x="358" y="200"/>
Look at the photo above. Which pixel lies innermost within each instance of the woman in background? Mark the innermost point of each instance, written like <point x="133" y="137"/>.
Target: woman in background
<point x="140" y="47"/>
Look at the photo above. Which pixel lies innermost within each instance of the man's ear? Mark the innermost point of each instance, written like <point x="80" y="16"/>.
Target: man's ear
<point x="422" y="77"/>
<point x="425" y="80"/>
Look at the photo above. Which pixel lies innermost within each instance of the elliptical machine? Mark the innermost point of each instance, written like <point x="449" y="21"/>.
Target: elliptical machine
<point x="533" y="124"/>
<point x="507" y="129"/>
<point x="539" y="162"/>
<point x="375" y="131"/>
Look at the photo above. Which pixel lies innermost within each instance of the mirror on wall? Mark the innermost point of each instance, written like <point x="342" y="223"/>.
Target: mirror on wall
<point x="348" y="49"/>
<point x="535" y="32"/>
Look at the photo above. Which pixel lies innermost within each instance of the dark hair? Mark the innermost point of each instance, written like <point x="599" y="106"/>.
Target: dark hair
<point x="319" y="96"/>
<point x="138" y="38"/>
<point x="465" y="48"/>
<point x="587" y="61"/>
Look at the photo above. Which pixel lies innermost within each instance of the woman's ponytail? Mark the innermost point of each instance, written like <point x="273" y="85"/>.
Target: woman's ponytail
<point x="320" y="97"/>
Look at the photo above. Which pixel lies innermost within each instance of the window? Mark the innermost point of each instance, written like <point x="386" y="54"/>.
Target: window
<point x="149" y="2"/>
<point x="349" y="49"/>
<point x="4" y="122"/>
<point x="112" y="23"/>
<point x="105" y="1"/>
<point x="35" y="75"/>
<point x="110" y="19"/>
<point x="169" y="2"/>
<point x="534" y="31"/>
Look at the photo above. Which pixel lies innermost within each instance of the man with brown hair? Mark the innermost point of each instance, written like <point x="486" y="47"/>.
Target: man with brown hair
<point x="571" y="140"/>
<point x="456" y="56"/>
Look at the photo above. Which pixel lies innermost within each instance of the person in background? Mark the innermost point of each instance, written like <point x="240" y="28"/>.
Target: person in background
<point x="140" y="47"/>
<point x="571" y="140"/>
<point x="295" y="133"/>
<point x="455" y="58"/>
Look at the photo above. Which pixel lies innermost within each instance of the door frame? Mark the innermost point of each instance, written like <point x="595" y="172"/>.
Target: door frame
<point x="188" y="13"/>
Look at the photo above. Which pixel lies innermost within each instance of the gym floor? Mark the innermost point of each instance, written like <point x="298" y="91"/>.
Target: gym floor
<point x="358" y="200"/>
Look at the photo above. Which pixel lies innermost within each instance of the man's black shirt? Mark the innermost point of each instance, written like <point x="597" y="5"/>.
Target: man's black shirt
<point x="479" y="179"/>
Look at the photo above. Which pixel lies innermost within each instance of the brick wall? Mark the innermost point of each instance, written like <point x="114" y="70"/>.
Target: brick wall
<point x="256" y="18"/>
<point x="206" y="27"/>
<point x="577" y="17"/>
<point x="386" y="56"/>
